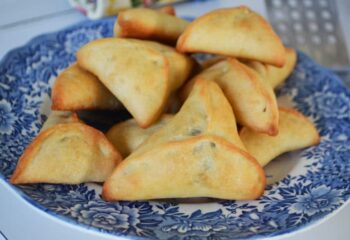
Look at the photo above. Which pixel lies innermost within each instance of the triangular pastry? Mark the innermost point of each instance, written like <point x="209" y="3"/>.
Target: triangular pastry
<point x="197" y="154"/>
<point x="127" y="136"/>
<point x="77" y="89"/>
<point x="295" y="132"/>
<point x="252" y="99"/>
<point x="57" y="117"/>
<point x="235" y="32"/>
<point x="69" y="153"/>
<point x="149" y="24"/>
<point x="139" y="73"/>
<point x="169" y="9"/>
<point x="274" y="75"/>
<point x="180" y="65"/>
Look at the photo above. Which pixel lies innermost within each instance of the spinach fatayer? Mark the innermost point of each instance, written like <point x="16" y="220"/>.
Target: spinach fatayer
<point x="197" y="150"/>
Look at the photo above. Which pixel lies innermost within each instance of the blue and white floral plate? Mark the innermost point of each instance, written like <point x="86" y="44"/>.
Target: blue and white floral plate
<point x="305" y="186"/>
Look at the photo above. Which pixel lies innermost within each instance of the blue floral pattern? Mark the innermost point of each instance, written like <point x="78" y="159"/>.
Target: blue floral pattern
<point x="7" y="118"/>
<point x="317" y="199"/>
<point x="318" y="188"/>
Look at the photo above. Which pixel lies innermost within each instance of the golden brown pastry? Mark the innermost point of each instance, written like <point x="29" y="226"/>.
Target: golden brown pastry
<point x="69" y="153"/>
<point x="140" y="74"/>
<point x="168" y="10"/>
<point x="205" y="112"/>
<point x="235" y="32"/>
<point x="77" y="89"/>
<point x="274" y="75"/>
<point x="295" y="132"/>
<point x="180" y="65"/>
<point x="127" y="136"/>
<point x="252" y="99"/>
<point x="197" y="154"/>
<point x="57" y="117"/>
<point x="136" y="74"/>
<point x="212" y="61"/>
<point x="149" y="24"/>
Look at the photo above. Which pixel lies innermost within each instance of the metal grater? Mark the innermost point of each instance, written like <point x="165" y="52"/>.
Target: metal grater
<point x="311" y="26"/>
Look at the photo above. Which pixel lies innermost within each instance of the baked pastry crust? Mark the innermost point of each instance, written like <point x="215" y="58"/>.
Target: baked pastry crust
<point x="141" y="74"/>
<point x="295" y="132"/>
<point x="197" y="154"/>
<point x="252" y="99"/>
<point x="69" y="153"/>
<point x="127" y="136"/>
<point x="77" y="89"/>
<point x="236" y="32"/>
<point x="274" y="75"/>
<point x="149" y="24"/>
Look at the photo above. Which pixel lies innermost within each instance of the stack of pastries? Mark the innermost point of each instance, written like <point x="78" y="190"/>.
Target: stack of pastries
<point x="197" y="129"/>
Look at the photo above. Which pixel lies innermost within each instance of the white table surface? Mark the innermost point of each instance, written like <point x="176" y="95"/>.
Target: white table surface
<point x="21" y="20"/>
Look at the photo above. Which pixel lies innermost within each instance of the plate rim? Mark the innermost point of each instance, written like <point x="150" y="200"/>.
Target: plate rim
<point x="83" y="227"/>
